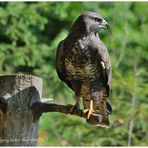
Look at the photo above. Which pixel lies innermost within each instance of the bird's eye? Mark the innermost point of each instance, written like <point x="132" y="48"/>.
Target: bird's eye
<point x="98" y="19"/>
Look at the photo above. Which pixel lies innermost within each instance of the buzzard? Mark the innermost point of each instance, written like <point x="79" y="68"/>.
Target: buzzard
<point x="83" y="63"/>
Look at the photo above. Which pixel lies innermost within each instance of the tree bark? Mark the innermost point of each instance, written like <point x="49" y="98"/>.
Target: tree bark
<point x="133" y="104"/>
<point x="131" y="122"/>
<point x="17" y="93"/>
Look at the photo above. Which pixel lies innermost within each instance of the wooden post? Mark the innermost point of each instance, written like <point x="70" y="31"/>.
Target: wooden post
<point x="17" y="93"/>
<point x="21" y="107"/>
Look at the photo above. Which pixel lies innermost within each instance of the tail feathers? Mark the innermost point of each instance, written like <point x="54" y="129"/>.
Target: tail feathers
<point x="109" y="108"/>
<point x="105" y="98"/>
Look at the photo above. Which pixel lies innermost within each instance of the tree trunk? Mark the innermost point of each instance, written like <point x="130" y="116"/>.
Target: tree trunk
<point x="131" y="122"/>
<point x="17" y="93"/>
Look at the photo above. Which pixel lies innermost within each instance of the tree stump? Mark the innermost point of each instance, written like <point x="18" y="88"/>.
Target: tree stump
<point x="17" y="93"/>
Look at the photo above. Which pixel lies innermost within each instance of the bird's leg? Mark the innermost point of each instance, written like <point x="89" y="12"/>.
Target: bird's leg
<point x="90" y="109"/>
<point x="77" y="104"/>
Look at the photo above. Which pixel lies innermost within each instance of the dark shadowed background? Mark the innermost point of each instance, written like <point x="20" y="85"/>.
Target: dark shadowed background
<point x="29" y="35"/>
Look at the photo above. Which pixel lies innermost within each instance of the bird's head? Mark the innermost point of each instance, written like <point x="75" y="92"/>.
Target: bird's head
<point x="90" y="22"/>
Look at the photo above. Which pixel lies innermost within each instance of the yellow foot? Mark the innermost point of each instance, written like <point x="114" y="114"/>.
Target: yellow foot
<point x="89" y="110"/>
<point x="74" y="107"/>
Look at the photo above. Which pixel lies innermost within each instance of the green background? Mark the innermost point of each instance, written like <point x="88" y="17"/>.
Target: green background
<point x="29" y="35"/>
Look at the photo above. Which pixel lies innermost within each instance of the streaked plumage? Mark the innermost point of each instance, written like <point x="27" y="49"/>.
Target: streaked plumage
<point x="83" y="63"/>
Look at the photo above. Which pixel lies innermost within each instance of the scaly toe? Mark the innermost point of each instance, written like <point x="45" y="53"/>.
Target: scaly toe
<point x="89" y="110"/>
<point x="85" y="110"/>
<point x="74" y="107"/>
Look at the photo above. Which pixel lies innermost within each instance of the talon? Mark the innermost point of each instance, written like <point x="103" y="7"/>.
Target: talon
<point x="77" y="105"/>
<point x="89" y="113"/>
<point x="85" y="110"/>
<point x="74" y="106"/>
<point x="89" y="110"/>
<point x="71" y="109"/>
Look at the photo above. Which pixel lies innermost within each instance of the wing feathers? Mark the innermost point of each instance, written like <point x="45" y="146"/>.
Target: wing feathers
<point x="106" y="64"/>
<point x="60" y="64"/>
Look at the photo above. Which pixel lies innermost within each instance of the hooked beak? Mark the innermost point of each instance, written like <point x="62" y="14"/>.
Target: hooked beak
<point x="104" y="25"/>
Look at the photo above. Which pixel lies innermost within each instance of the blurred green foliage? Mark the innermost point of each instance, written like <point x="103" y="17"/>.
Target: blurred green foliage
<point x="29" y="35"/>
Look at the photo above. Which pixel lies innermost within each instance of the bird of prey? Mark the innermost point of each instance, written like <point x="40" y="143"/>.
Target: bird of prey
<point x="83" y="63"/>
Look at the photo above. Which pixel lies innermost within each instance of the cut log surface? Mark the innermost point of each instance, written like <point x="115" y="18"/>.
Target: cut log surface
<point x="17" y="93"/>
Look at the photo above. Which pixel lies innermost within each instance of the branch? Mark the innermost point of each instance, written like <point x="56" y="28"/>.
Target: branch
<point x="39" y="107"/>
